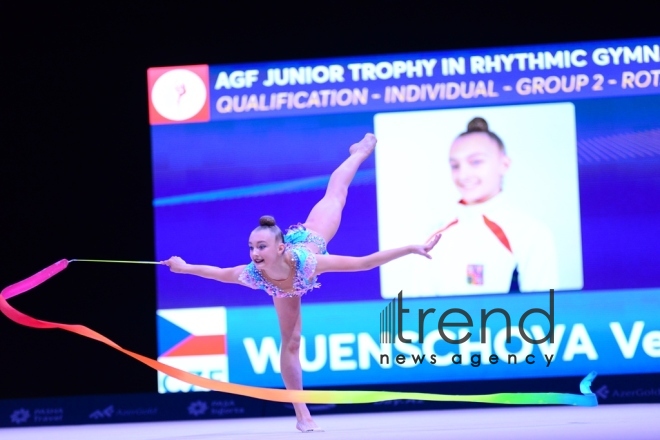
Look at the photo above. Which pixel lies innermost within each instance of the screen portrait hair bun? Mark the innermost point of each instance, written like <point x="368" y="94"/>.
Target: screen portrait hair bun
<point x="477" y="124"/>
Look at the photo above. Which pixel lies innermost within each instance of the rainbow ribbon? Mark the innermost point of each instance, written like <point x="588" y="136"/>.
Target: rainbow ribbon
<point x="587" y="398"/>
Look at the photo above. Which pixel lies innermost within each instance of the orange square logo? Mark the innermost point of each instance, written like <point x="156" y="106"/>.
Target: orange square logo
<point x="179" y="94"/>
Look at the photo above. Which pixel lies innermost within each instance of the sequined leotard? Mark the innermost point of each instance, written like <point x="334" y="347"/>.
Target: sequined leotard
<point x="304" y="261"/>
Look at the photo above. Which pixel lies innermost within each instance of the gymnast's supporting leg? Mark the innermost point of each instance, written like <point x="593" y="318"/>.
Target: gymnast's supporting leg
<point x="325" y="217"/>
<point x="288" y="314"/>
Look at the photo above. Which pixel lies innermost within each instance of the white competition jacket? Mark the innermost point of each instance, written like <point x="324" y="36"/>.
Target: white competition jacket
<point x="482" y="246"/>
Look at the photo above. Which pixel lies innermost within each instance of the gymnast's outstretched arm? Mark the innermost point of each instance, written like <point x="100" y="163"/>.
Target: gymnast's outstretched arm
<point x="339" y="263"/>
<point x="225" y="275"/>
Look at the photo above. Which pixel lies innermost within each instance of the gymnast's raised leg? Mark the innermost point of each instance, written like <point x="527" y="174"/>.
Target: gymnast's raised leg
<point x="325" y="217"/>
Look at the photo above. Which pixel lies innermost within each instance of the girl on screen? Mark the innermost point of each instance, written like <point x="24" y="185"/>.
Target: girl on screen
<point x="489" y="245"/>
<point x="287" y="265"/>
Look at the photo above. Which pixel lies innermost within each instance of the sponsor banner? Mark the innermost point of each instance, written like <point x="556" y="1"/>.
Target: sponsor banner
<point x="125" y="409"/>
<point x="79" y="410"/>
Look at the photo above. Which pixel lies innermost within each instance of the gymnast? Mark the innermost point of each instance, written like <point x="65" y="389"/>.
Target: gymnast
<point x="287" y="265"/>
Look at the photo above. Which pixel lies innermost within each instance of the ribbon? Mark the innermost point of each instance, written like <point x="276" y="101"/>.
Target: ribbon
<point x="278" y="395"/>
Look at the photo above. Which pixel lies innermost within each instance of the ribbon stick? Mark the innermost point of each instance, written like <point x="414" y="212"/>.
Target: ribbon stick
<point x="117" y="261"/>
<point x="278" y="395"/>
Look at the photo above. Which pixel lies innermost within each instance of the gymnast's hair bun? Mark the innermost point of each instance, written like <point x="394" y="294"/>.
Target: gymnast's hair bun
<point x="477" y="125"/>
<point x="267" y="220"/>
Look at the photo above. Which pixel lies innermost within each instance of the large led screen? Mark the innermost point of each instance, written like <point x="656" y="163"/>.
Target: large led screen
<point x="566" y="221"/>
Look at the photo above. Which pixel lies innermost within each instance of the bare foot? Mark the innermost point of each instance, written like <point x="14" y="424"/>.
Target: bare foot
<point x="308" y="426"/>
<point x="365" y="146"/>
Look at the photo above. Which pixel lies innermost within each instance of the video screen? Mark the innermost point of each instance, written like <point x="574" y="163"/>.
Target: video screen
<point x="538" y="167"/>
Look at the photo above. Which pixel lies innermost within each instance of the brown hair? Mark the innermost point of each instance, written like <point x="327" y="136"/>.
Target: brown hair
<point x="268" y="222"/>
<point x="479" y="125"/>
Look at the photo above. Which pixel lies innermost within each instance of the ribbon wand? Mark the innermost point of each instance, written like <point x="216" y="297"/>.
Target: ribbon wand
<point x="115" y="261"/>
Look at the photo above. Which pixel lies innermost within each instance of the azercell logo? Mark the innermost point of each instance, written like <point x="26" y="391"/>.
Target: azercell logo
<point x="391" y="330"/>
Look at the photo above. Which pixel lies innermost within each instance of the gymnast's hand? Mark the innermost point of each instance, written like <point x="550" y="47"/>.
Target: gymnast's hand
<point x="424" y="249"/>
<point x="176" y="264"/>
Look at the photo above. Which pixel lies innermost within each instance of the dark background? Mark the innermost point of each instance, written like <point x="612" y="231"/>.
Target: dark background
<point x="75" y="176"/>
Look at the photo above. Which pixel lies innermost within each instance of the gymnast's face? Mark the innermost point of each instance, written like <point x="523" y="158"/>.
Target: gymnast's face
<point x="265" y="248"/>
<point x="478" y="166"/>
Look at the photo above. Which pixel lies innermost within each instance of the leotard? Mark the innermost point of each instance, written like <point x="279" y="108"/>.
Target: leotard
<point x="295" y="240"/>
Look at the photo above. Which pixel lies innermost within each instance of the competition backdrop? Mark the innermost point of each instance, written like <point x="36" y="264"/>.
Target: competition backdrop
<point x="233" y="142"/>
<point x="251" y="149"/>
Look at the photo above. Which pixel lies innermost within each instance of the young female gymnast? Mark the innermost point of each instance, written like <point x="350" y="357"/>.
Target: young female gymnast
<point x="287" y="265"/>
<point x="490" y="243"/>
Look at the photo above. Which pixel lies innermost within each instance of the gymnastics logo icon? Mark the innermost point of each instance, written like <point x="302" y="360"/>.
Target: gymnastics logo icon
<point x="178" y="94"/>
<point x="193" y="340"/>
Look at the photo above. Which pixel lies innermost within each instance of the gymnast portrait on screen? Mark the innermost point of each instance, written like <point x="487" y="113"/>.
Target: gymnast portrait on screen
<point x="490" y="244"/>
<point x="287" y="265"/>
<point x="501" y="186"/>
